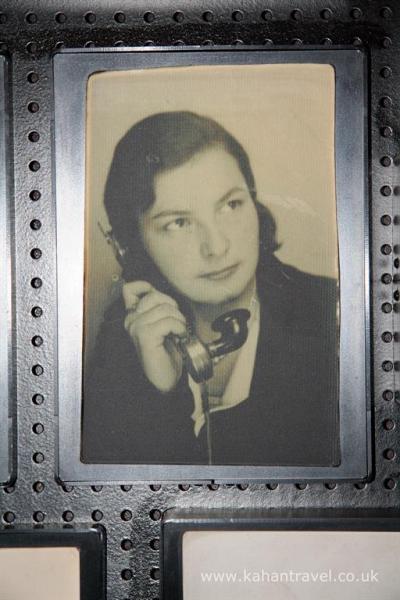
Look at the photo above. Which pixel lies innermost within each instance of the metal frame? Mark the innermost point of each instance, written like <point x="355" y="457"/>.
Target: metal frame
<point x="5" y="292"/>
<point x="176" y="522"/>
<point x="90" y="542"/>
<point x="71" y="71"/>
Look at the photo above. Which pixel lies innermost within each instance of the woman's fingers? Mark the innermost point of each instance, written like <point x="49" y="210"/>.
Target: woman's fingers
<point x="164" y="327"/>
<point x="133" y="291"/>
<point x="151" y="317"/>
<point x="136" y="322"/>
<point x="153" y="299"/>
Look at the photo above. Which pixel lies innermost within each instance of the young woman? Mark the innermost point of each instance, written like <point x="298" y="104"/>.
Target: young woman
<point x="195" y="243"/>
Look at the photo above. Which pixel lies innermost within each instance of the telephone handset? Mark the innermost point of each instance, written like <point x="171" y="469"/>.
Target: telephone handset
<point x="198" y="357"/>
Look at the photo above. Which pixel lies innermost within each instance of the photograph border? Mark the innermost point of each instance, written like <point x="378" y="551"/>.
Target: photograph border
<point x="5" y="292"/>
<point x="71" y="71"/>
<point x="92" y="549"/>
<point x="178" y="521"/>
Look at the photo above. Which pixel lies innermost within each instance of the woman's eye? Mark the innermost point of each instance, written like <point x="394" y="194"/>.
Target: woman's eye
<point x="233" y="204"/>
<point x="176" y="224"/>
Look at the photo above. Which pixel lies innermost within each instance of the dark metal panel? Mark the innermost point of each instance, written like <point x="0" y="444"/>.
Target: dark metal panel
<point x="5" y="292"/>
<point x="36" y="498"/>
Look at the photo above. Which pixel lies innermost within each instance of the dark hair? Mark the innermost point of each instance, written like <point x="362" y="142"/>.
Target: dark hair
<point x="160" y="142"/>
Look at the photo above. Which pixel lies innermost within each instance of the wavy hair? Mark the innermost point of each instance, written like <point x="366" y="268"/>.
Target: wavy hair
<point x="155" y="144"/>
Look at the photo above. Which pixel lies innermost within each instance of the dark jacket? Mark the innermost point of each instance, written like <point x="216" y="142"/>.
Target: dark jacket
<point x="289" y="419"/>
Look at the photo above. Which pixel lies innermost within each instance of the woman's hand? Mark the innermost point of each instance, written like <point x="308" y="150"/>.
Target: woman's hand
<point x="151" y="317"/>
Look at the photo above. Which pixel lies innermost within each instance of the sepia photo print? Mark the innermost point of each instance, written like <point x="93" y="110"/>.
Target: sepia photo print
<point x="211" y="285"/>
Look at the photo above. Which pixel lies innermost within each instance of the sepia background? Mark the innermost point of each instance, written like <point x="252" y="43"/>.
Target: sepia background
<point x="40" y="573"/>
<point x="315" y="559"/>
<point x="283" y="115"/>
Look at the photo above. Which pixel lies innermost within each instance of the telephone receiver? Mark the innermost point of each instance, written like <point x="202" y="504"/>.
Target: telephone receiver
<point x="197" y="356"/>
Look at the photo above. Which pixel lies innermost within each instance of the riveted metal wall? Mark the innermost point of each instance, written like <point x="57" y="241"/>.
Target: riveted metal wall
<point x="131" y="514"/>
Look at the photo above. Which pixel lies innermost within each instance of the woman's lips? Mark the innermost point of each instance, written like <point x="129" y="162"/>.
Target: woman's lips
<point x="221" y="273"/>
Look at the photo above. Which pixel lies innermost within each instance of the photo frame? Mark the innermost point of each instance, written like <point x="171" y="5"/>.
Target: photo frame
<point x="72" y="71"/>
<point x="302" y="552"/>
<point x="5" y="294"/>
<point x="77" y="556"/>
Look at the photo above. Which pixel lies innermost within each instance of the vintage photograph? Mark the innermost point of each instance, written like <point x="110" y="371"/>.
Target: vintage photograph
<point x="211" y="285"/>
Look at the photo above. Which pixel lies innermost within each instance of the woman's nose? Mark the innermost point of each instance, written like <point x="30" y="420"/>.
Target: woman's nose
<point x="213" y="241"/>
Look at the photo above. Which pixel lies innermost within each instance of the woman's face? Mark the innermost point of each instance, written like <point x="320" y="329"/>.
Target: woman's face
<point x="202" y="231"/>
